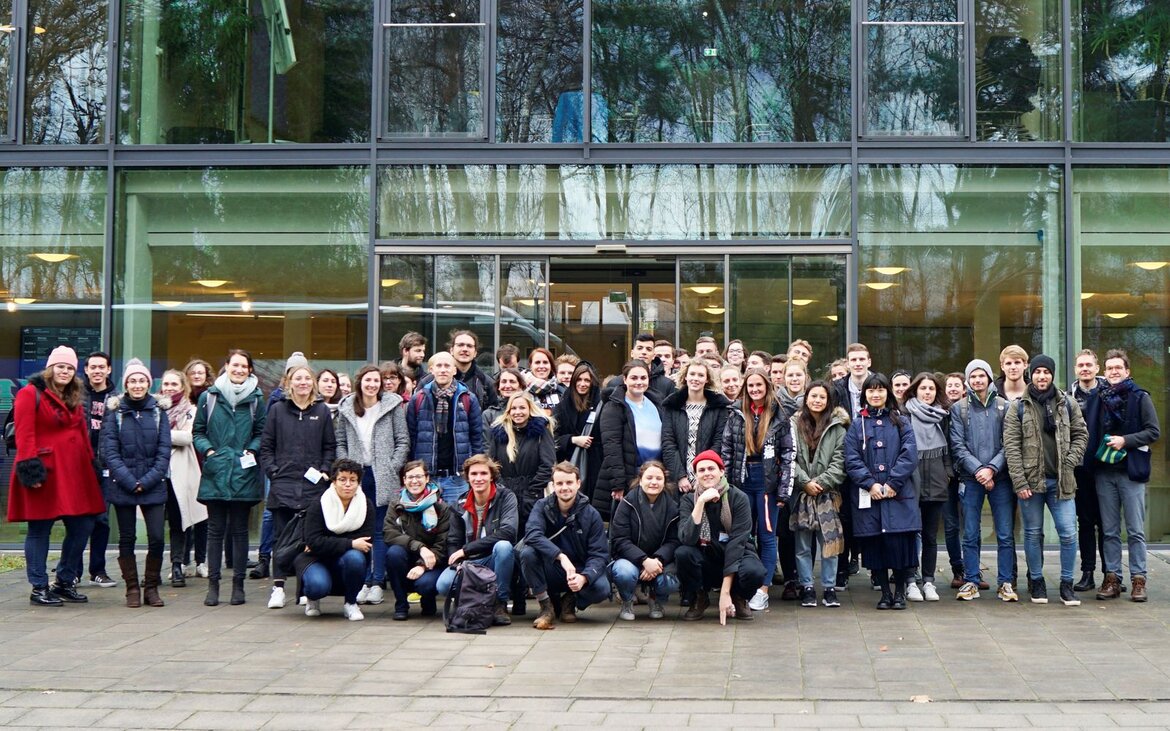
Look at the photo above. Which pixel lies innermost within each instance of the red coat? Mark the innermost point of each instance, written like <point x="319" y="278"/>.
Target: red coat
<point x="60" y="438"/>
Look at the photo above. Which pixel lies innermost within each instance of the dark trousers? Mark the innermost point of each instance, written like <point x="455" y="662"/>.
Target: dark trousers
<point x="398" y="564"/>
<point x="546" y="575"/>
<point x="700" y="568"/>
<point x="931" y="515"/>
<point x="952" y="527"/>
<point x="786" y="544"/>
<point x="220" y="515"/>
<point x="175" y="527"/>
<point x="280" y="518"/>
<point x="845" y="512"/>
<point x="1089" y="534"/>
<point x="153" y="516"/>
<point x="196" y="538"/>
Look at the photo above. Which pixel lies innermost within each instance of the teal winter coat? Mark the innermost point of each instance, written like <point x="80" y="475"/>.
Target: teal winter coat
<point x="228" y="432"/>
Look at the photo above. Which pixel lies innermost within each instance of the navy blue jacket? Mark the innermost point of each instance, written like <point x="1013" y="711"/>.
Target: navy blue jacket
<point x="583" y="539"/>
<point x="877" y="450"/>
<point x="1141" y="429"/>
<point x="137" y="453"/>
<point x="467" y="427"/>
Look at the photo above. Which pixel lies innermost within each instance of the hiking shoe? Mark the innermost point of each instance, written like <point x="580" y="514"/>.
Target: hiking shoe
<point x="500" y="616"/>
<point x="1067" y="597"/>
<point x="808" y="597"/>
<point x="569" y="607"/>
<point x="829" y="598"/>
<point x="103" y="580"/>
<point x="352" y="612"/>
<point x="313" y="608"/>
<point x="967" y="592"/>
<point x="914" y="592"/>
<point x="626" y="613"/>
<point x="759" y="601"/>
<point x="698" y="607"/>
<point x="1006" y="593"/>
<point x="742" y="610"/>
<point x="1039" y="590"/>
<point x="929" y="593"/>
<point x="1110" y="587"/>
<point x="1139" y="590"/>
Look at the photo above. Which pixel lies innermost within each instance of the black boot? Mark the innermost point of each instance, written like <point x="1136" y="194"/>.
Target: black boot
<point x="212" y="598"/>
<point x="237" y="591"/>
<point x="887" y="600"/>
<point x="177" y="579"/>
<point x="42" y="597"/>
<point x="261" y="570"/>
<point x="899" y="593"/>
<point x="1087" y="582"/>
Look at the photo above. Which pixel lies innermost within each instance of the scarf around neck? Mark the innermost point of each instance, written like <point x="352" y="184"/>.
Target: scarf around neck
<point x="177" y="411"/>
<point x="424" y="507"/>
<point x="234" y="393"/>
<point x="724" y="513"/>
<point x="1044" y="399"/>
<point x="443" y="399"/>
<point x="926" y="420"/>
<point x="1113" y="398"/>
<point x="339" y="519"/>
<point x="472" y="511"/>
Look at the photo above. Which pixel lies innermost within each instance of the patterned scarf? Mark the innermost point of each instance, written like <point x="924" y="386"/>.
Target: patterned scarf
<point x="1114" y="398"/>
<point x="724" y="513"/>
<point x="443" y="398"/>
<point x="425" y="504"/>
<point x="176" y="409"/>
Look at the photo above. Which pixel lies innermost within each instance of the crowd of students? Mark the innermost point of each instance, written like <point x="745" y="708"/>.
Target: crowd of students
<point x="684" y="474"/>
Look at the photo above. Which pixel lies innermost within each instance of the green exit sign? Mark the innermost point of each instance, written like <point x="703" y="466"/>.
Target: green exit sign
<point x="710" y="52"/>
<point x="617" y="298"/>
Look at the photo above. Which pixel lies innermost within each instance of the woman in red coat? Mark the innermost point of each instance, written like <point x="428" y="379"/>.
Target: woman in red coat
<point x="53" y="476"/>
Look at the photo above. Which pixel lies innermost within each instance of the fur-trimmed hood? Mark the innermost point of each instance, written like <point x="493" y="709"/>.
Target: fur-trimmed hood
<point x="534" y="429"/>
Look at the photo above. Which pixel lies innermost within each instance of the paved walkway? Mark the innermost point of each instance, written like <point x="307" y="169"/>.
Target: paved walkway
<point x="949" y="663"/>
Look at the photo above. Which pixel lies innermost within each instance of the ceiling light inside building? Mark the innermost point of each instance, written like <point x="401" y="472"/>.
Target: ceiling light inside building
<point x="831" y="318"/>
<point x="169" y="303"/>
<point x="24" y="300"/>
<point x="388" y="283"/>
<point x="802" y="303"/>
<point x="703" y="290"/>
<point x="210" y="283"/>
<point x="1150" y="266"/>
<point x="714" y="310"/>
<point x="1117" y="315"/>
<point x="889" y="271"/>
<point x="1087" y="295"/>
<point x="53" y="257"/>
<point x="879" y="286"/>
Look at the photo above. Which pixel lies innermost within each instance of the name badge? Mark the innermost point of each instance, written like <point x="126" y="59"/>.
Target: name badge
<point x="247" y="460"/>
<point x="723" y="537"/>
<point x="313" y="475"/>
<point x="863" y="499"/>
<point x="769" y="451"/>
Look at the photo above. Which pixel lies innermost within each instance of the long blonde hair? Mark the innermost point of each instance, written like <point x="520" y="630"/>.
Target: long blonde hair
<point x="504" y="420"/>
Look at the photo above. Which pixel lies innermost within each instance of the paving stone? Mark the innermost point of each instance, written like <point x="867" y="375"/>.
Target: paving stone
<point x="227" y="721"/>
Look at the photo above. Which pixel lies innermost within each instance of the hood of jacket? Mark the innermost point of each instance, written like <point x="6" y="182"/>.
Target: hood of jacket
<point x="345" y="409"/>
<point x="534" y="429"/>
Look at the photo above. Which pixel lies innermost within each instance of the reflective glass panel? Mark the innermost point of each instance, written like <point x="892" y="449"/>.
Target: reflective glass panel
<point x="524" y="306"/>
<point x="633" y="202"/>
<point x="701" y="301"/>
<point x="1122" y="236"/>
<point x="273" y="261"/>
<point x="207" y="71"/>
<point x="1121" y="57"/>
<point x="818" y="307"/>
<point x="957" y="262"/>
<point x="434" y="58"/>
<point x="760" y="307"/>
<point x="705" y="71"/>
<point x="914" y="80"/>
<point x="1018" y="70"/>
<point x="65" y="91"/>
<point x="539" y="69"/>
<point x="7" y="48"/>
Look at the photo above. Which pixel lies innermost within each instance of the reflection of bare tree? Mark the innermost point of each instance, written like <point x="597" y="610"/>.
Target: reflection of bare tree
<point x="66" y="74"/>
<point x="538" y="59"/>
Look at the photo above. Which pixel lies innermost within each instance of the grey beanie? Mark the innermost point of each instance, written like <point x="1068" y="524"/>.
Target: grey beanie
<point x="976" y="365"/>
<point x="296" y="360"/>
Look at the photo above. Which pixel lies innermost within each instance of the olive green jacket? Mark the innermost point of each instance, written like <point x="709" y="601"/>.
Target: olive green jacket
<point x="1023" y="448"/>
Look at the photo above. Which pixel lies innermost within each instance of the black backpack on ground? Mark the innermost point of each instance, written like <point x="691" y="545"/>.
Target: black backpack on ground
<point x="471" y="603"/>
<point x="290" y="544"/>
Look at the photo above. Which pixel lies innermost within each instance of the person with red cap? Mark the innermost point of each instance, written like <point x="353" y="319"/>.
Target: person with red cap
<point x="715" y="547"/>
<point x="54" y="478"/>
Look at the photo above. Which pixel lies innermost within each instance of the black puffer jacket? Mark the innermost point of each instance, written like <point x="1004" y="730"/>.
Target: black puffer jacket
<point x="675" y="428"/>
<point x="294" y="440"/>
<point x="779" y="451"/>
<point x="629" y="534"/>
<point x="531" y="471"/>
<point x="324" y="545"/>
<point x="619" y="448"/>
<point x="570" y="423"/>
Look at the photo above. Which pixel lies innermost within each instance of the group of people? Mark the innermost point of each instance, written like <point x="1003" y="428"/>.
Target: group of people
<point x="728" y="472"/>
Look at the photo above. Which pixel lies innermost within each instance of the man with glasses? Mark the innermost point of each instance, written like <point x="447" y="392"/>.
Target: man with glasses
<point x="464" y="347"/>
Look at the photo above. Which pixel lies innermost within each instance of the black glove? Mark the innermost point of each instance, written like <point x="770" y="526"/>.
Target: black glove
<point x="31" y="472"/>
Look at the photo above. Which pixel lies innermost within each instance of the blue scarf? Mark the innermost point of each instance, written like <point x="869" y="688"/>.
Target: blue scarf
<point x="425" y="505"/>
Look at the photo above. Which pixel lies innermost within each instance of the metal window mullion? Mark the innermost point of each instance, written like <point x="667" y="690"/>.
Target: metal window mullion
<point x="587" y="78"/>
<point x="480" y="24"/>
<point x="488" y="13"/>
<point x="791" y="311"/>
<point x="967" y="56"/>
<point x="499" y="296"/>
<point x="726" y="298"/>
<point x="914" y="22"/>
<point x="547" y="301"/>
<point x="1066" y="74"/>
<point x="677" y="301"/>
<point x="16" y="87"/>
<point x="377" y="98"/>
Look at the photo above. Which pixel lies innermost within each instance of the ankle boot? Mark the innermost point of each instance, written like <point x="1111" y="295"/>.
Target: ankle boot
<point x="177" y="579"/>
<point x="547" y="619"/>
<point x="237" y="591"/>
<point x="151" y="580"/>
<point x="899" y="595"/>
<point x="261" y="570"/>
<point x="129" y="566"/>
<point x="212" y="598"/>
<point x="887" y="600"/>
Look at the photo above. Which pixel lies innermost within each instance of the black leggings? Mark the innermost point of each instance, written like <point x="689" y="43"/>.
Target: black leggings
<point x="931" y="515"/>
<point x="221" y="514"/>
<point x="128" y="524"/>
<point x="175" y="525"/>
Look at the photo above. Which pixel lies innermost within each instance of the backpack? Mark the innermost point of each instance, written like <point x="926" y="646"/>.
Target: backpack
<point x="211" y="399"/>
<point x="471" y="603"/>
<point x="290" y="544"/>
<point x="10" y="423"/>
<point x="464" y="401"/>
<point x="157" y="418"/>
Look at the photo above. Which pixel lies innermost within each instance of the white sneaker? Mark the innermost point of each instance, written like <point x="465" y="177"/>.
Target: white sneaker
<point x="929" y="592"/>
<point x="313" y="608"/>
<point x="363" y="595"/>
<point x="303" y="600"/>
<point x="276" y="599"/>
<point x="376" y="595"/>
<point x="759" y="602"/>
<point x="352" y="612"/>
<point x="913" y="592"/>
<point x="201" y="570"/>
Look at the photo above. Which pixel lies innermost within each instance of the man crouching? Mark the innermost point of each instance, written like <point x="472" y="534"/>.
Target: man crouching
<point x="565" y="550"/>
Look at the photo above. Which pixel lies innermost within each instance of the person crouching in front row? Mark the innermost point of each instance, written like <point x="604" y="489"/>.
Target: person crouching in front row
<point x="416" y="540"/>
<point x="565" y="550"/>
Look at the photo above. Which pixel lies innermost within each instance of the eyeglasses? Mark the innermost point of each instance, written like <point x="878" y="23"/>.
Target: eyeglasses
<point x="416" y="478"/>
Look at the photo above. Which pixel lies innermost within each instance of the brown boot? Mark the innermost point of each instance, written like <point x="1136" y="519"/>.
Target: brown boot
<point x="1110" y="587"/>
<point x="569" y="607"/>
<point x="698" y="607"/>
<point x="547" y="619"/>
<point x="129" y="566"/>
<point x="150" y="581"/>
<point x="500" y="616"/>
<point x="742" y="610"/>
<point x="1139" y="589"/>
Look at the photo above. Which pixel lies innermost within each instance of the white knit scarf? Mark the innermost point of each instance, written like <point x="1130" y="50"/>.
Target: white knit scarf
<point x="339" y="519"/>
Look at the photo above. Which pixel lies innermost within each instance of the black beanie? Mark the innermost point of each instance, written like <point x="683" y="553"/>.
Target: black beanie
<point x="1042" y="361"/>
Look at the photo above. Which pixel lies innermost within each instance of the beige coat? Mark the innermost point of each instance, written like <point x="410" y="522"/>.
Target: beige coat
<point x="185" y="472"/>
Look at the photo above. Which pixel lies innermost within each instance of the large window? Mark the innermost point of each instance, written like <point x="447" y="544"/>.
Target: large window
<point x="234" y="71"/>
<point x="269" y="260"/>
<point x="593" y="202"/>
<point x="1123" y="50"/>
<point x="8" y="44"/>
<point x="704" y="71"/>
<point x="65" y="88"/>
<point x="539" y="97"/>
<point x="1017" y="70"/>
<point x="1122" y="236"/>
<point x="957" y="262"/>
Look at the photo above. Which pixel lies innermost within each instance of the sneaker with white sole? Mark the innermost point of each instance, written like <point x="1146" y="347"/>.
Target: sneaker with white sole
<point x="929" y="593"/>
<point x="376" y="595"/>
<point x="313" y="608"/>
<point x="201" y="570"/>
<point x="759" y="602"/>
<point x="352" y="612"/>
<point x="103" y="580"/>
<point x="1006" y="593"/>
<point x="302" y="600"/>
<point x="968" y="591"/>
<point x="363" y="595"/>
<point x="913" y="592"/>
<point x="276" y="599"/>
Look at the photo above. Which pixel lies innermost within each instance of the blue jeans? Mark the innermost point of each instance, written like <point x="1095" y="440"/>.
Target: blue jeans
<point x="1003" y="508"/>
<point x="319" y="580"/>
<point x="1118" y="495"/>
<point x="1064" y="515"/>
<point x="625" y="576"/>
<point x="36" y="549"/>
<point x="376" y="570"/>
<point x="398" y="562"/>
<point x="765" y="514"/>
<point x="806" y="542"/>
<point x="951" y="527"/>
<point x="454" y="490"/>
<point x="502" y="561"/>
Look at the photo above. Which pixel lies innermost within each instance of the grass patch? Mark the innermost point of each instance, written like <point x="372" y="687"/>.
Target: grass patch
<point x="11" y="562"/>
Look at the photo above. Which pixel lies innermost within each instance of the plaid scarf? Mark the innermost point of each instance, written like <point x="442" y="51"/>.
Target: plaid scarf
<point x="443" y="398"/>
<point x="1113" y="398"/>
<point x="724" y="514"/>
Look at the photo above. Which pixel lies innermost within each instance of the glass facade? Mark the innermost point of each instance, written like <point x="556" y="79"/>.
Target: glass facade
<point x="67" y="67"/>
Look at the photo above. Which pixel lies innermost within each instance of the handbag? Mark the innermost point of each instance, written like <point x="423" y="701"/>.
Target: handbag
<point x="1107" y="454"/>
<point x="580" y="456"/>
<point x="290" y="544"/>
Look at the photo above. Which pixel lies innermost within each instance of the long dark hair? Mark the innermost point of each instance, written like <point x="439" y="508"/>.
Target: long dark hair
<point x="940" y="391"/>
<point x="583" y="403"/>
<point x="879" y="380"/>
<point x="359" y="408"/>
<point x="812" y="426"/>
